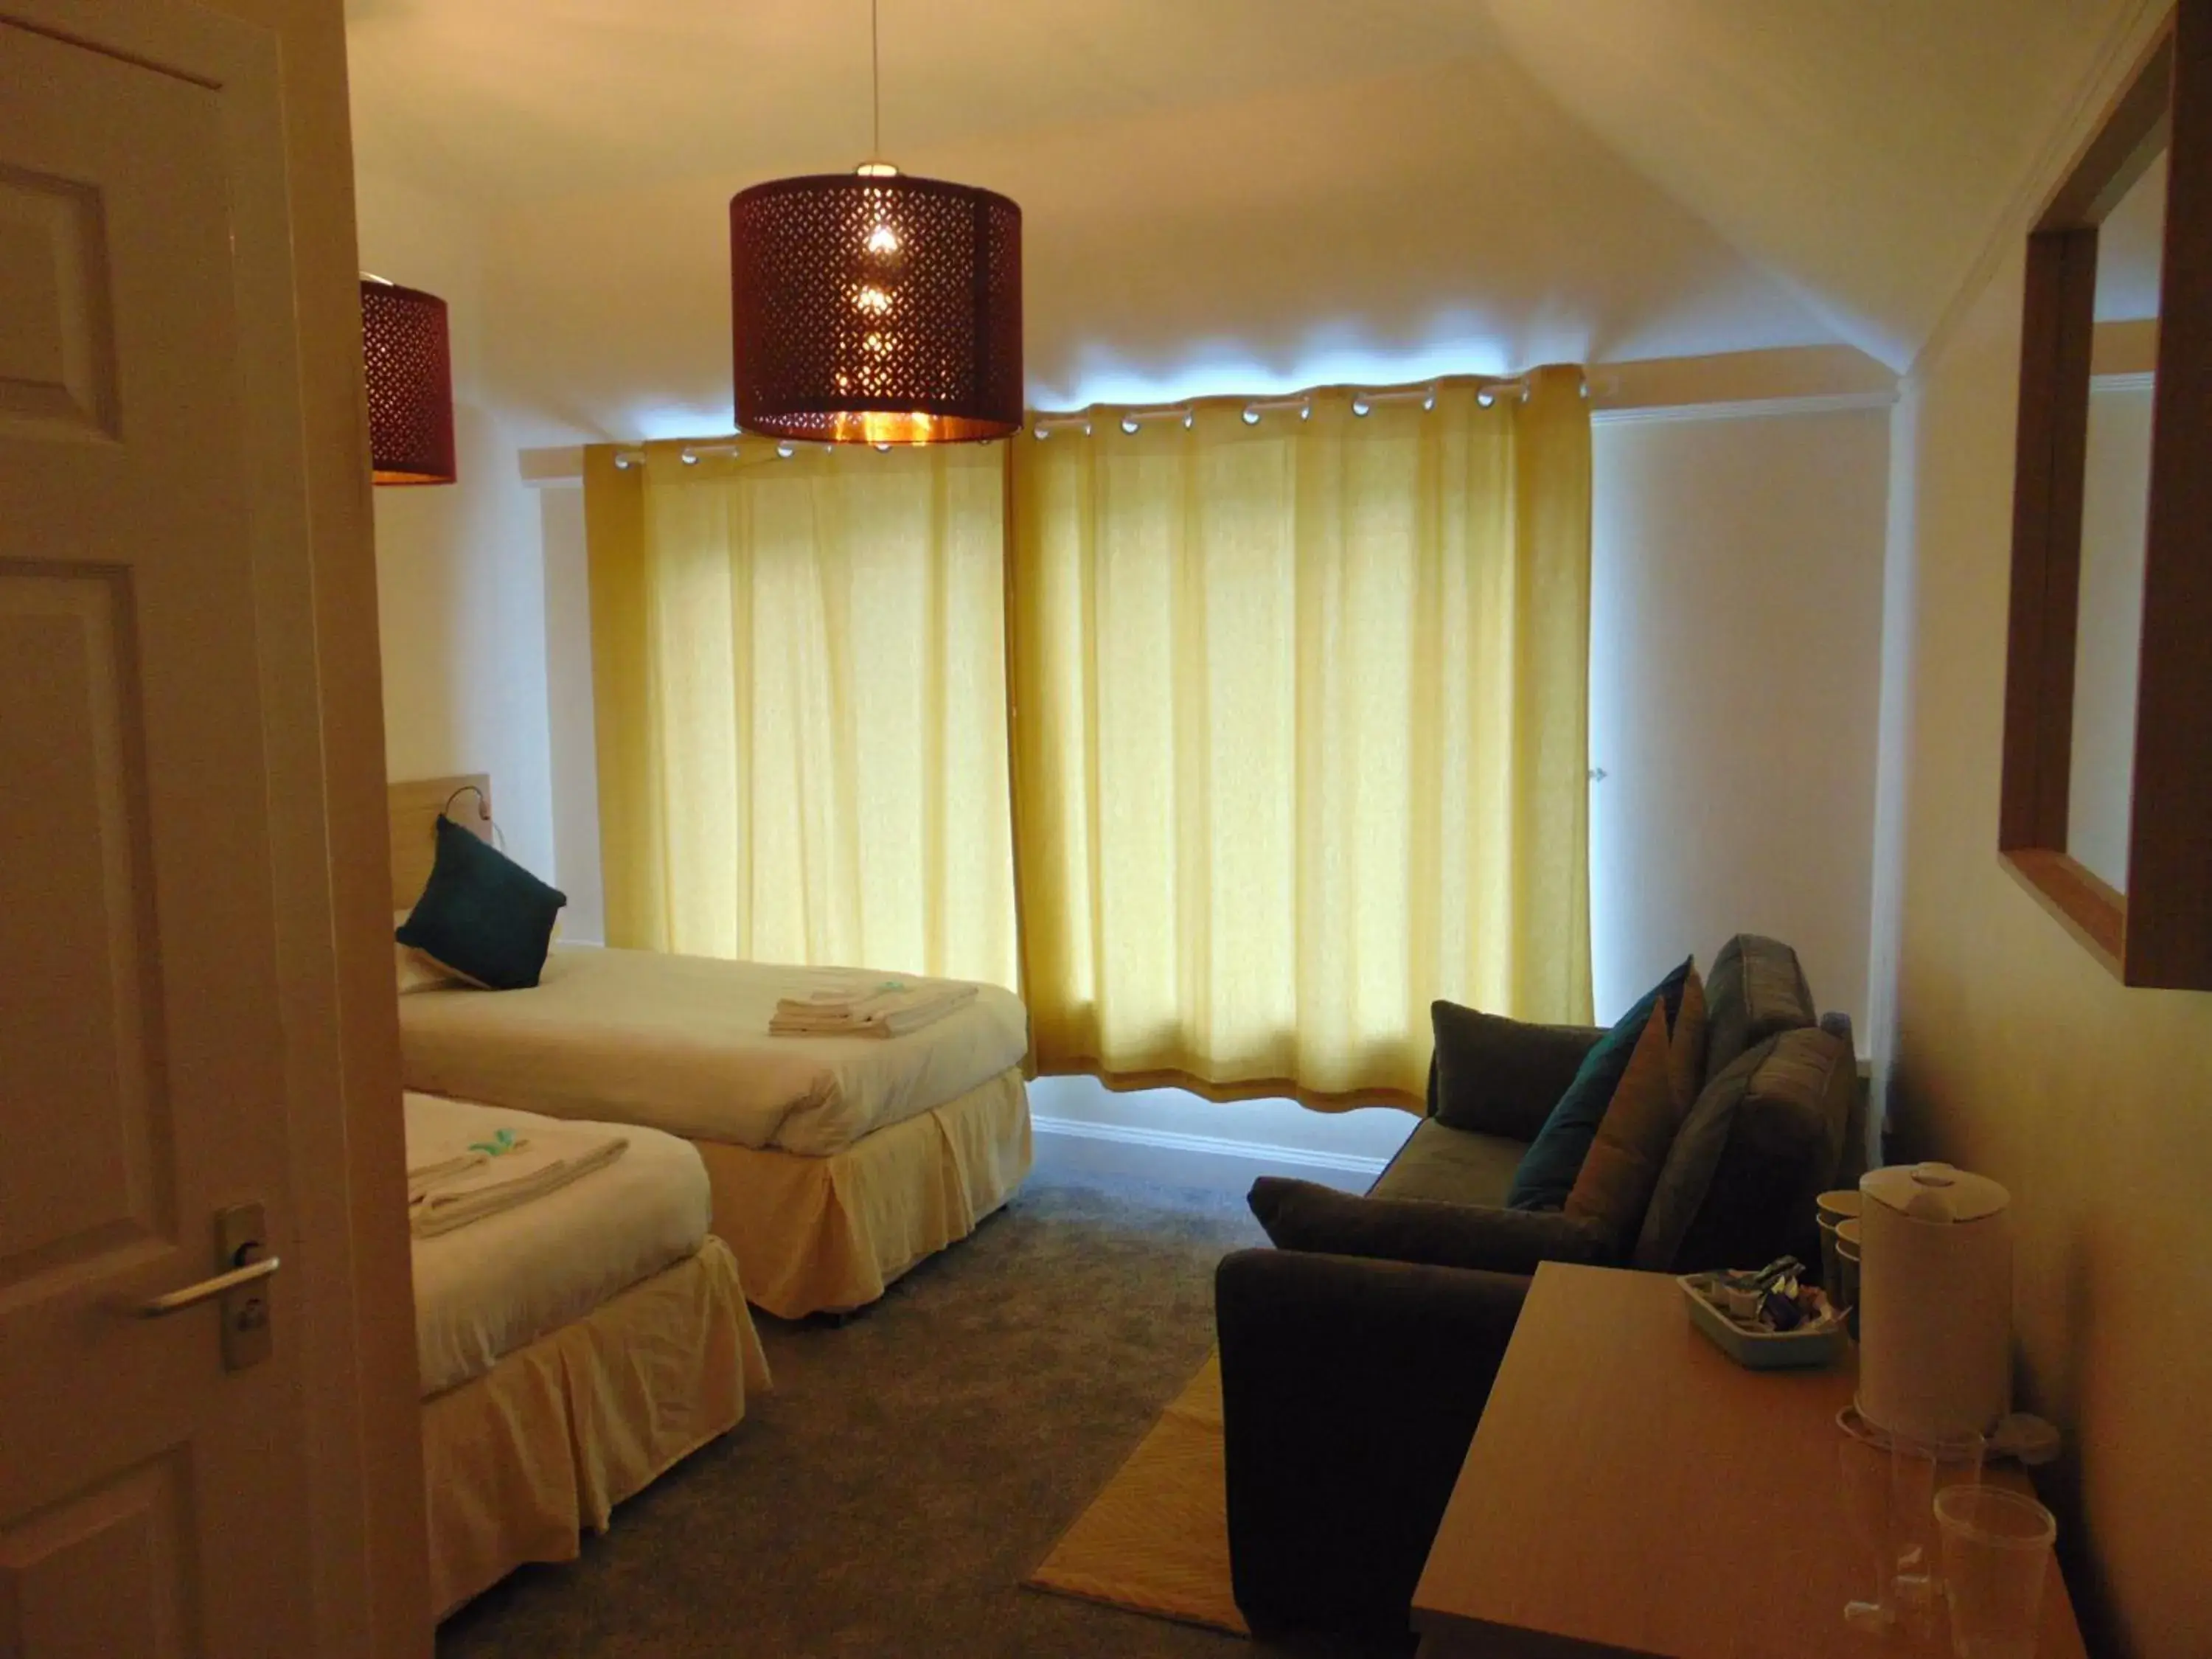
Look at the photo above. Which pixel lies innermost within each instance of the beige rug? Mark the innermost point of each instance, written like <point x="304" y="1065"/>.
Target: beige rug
<point x="1157" y="1539"/>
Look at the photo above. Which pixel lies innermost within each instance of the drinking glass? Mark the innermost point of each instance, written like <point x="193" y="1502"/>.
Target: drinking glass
<point x="1996" y="1552"/>
<point x="1922" y="1468"/>
<point x="1863" y="1469"/>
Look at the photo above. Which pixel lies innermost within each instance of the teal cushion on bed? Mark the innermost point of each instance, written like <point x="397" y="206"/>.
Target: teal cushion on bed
<point x="482" y="914"/>
<point x="1555" y="1157"/>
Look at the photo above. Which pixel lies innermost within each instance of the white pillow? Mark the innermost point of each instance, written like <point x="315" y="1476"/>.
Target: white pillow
<point x="416" y="971"/>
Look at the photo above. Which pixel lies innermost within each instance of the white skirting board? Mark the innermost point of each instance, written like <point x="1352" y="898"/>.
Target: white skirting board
<point x="1068" y="1146"/>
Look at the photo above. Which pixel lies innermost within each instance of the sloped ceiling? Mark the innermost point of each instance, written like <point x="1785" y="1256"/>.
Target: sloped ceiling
<point x="1251" y="192"/>
<point x="1862" y="149"/>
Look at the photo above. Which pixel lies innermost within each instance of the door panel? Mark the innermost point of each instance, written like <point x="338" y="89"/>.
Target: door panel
<point x="151" y="1502"/>
<point x="88" y="1114"/>
<point x="56" y="355"/>
<point x="99" y="1577"/>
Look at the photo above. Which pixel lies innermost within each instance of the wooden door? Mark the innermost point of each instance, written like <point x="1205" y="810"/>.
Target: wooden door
<point x="163" y="971"/>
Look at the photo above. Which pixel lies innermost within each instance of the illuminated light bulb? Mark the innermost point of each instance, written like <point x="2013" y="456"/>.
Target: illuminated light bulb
<point x="1305" y="411"/>
<point x="882" y="449"/>
<point x="1251" y="418"/>
<point x="1041" y="432"/>
<point x="877" y="170"/>
<point x="1129" y="424"/>
<point x="784" y="451"/>
<point x="1361" y="406"/>
<point x="690" y="459"/>
<point x="1189" y="419"/>
<point x="1486" y="398"/>
<point x="882" y="239"/>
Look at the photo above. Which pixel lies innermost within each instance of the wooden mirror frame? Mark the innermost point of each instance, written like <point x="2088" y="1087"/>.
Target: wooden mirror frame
<point x="2160" y="931"/>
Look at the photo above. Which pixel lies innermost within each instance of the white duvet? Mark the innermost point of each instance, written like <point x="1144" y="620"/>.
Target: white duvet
<point x="681" y="1044"/>
<point x="486" y="1289"/>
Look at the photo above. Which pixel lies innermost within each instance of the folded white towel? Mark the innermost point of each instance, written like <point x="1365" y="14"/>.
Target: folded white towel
<point x="421" y="1178"/>
<point x="450" y="1184"/>
<point x="847" y="991"/>
<point x="892" y="1009"/>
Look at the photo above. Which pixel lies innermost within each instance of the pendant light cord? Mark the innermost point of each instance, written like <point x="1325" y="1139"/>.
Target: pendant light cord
<point x="875" y="84"/>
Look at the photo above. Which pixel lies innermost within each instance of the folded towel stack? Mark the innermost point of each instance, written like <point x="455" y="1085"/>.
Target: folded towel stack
<point x="880" y="1008"/>
<point x="449" y="1185"/>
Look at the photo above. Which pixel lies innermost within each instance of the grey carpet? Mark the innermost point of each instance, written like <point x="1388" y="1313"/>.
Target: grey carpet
<point x="913" y="1466"/>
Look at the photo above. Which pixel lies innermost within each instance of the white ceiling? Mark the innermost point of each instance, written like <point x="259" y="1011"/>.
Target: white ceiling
<point x="1255" y="184"/>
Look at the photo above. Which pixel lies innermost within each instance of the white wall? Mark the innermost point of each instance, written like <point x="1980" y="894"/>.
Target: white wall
<point x="1735" y="664"/>
<point x="460" y="589"/>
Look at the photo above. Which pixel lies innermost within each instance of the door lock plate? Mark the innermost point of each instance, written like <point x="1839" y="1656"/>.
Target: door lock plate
<point x="241" y="1237"/>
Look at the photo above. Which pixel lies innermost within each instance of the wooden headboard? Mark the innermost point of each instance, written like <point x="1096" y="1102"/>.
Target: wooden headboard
<point x="414" y="807"/>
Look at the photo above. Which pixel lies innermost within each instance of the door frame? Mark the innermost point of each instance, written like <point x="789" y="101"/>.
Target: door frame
<point x="279" y="67"/>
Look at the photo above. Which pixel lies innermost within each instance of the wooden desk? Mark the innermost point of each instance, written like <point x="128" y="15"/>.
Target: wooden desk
<point x="1633" y="1491"/>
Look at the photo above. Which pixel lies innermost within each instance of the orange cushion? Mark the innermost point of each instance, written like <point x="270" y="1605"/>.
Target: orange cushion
<point x="1615" y="1184"/>
<point x="1685" y="1051"/>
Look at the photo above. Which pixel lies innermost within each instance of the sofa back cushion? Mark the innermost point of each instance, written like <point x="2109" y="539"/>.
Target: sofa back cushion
<point x="1555" y="1156"/>
<point x="1755" y="991"/>
<point x="1496" y="1076"/>
<point x="1764" y="1138"/>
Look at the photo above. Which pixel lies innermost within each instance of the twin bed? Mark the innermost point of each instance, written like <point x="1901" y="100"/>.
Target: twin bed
<point x="835" y="1162"/>
<point x="575" y="1347"/>
<point x="572" y="1349"/>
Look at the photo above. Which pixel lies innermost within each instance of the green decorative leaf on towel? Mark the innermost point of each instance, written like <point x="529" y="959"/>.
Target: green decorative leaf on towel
<point x="501" y="1143"/>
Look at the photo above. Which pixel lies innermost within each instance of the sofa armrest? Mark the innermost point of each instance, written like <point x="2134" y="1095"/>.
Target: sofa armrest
<point x="1497" y="1076"/>
<point x="1351" y="1389"/>
<point x="1303" y="1215"/>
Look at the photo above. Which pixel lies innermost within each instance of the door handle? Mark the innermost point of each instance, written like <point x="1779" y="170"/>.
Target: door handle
<point x="241" y="1266"/>
<point x="208" y="1290"/>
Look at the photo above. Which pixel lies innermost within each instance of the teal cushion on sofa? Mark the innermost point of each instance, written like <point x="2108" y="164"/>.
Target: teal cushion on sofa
<point x="482" y="914"/>
<point x="1554" y="1158"/>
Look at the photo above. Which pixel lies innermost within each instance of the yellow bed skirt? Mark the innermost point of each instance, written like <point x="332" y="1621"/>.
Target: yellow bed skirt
<point x="817" y="1235"/>
<point x="519" y="1461"/>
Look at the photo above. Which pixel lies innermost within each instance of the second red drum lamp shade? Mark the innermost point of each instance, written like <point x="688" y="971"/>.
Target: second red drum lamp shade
<point x="407" y="360"/>
<point x="872" y="307"/>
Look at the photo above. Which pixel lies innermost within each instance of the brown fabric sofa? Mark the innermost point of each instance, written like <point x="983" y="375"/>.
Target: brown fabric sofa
<point x="1355" y="1364"/>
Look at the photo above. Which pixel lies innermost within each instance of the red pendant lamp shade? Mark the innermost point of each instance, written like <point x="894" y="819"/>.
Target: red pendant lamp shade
<point x="407" y="355"/>
<point x="870" y="307"/>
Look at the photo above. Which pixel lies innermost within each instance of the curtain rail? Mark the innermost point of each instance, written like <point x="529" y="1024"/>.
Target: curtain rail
<point x="1044" y="422"/>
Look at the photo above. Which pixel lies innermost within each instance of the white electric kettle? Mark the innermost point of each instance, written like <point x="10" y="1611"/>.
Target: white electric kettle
<point x="1935" y="1301"/>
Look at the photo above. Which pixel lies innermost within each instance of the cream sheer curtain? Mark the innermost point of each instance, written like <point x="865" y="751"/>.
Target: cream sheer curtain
<point x="1301" y="735"/>
<point x="798" y="668"/>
